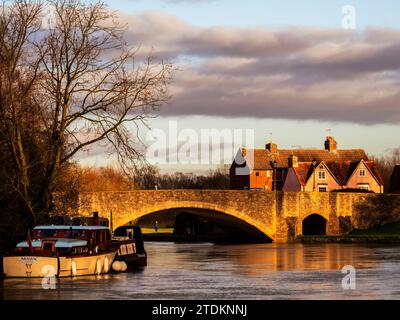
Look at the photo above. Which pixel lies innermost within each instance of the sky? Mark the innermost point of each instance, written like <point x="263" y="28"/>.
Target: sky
<point x="289" y="70"/>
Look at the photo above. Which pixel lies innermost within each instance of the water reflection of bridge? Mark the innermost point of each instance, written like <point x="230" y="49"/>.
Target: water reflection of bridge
<point x="282" y="257"/>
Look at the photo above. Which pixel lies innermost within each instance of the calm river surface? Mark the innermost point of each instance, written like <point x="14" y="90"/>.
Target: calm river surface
<point x="261" y="271"/>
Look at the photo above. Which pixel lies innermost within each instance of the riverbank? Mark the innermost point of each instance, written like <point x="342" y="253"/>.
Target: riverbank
<point x="167" y="235"/>
<point x="162" y="234"/>
<point x="348" y="239"/>
<point x="389" y="233"/>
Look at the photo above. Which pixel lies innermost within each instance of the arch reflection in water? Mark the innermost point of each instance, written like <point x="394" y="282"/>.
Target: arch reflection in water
<point x="269" y="258"/>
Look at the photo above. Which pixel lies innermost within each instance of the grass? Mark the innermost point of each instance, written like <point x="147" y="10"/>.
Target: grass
<point x="390" y="229"/>
<point x="160" y="230"/>
<point x="387" y="233"/>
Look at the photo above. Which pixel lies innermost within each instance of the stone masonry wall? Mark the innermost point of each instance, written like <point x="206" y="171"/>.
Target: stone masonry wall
<point x="279" y="215"/>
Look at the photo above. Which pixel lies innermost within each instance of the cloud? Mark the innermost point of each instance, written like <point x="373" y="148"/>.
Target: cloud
<point x="291" y="73"/>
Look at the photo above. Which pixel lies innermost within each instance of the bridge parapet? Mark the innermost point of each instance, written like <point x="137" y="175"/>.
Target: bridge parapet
<point x="278" y="215"/>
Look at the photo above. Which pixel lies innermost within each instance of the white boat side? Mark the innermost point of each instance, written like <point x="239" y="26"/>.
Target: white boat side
<point x="64" y="266"/>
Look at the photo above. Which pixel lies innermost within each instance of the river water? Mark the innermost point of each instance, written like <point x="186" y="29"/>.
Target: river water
<point x="256" y="271"/>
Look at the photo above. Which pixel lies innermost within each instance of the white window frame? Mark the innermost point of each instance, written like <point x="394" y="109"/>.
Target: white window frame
<point x="268" y="173"/>
<point x="363" y="186"/>
<point x="320" y="173"/>
<point x="323" y="186"/>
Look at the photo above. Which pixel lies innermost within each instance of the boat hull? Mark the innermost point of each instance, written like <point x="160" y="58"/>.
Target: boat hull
<point x="29" y="266"/>
<point x="32" y="266"/>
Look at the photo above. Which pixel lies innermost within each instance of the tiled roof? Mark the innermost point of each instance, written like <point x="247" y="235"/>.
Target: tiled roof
<point x="375" y="171"/>
<point x="342" y="170"/>
<point x="263" y="157"/>
<point x="303" y="172"/>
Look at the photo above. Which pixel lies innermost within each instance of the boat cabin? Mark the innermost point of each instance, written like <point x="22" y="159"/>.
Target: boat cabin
<point x="67" y="239"/>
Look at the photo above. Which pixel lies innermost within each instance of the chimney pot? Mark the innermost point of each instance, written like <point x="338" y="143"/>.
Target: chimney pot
<point x="330" y="144"/>
<point x="272" y="147"/>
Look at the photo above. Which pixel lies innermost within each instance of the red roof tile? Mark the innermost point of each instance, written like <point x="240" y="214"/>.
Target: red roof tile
<point x="263" y="157"/>
<point x="341" y="170"/>
<point x="303" y="172"/>
<point x="375" y="171"/>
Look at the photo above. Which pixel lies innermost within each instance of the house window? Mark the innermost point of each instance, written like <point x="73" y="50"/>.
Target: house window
<point x="362" y="172"/>
<point x="269" y="173"/>
<point x="321" y="175"/>
<point x="257" y="174"/>
<point x="322" y="189"/>
<point x="363" y="186"/>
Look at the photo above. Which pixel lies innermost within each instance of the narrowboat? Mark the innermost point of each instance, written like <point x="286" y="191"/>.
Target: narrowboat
<point x="131" y="248"/>
<point x="62" y="251"/>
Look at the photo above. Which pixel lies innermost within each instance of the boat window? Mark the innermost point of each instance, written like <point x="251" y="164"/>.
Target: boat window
<point x="75" y="234"/>
<point x="46" y="233"/>
<point x="129" y="233"/>
<point x="98" y="237"/>
<point x="131" y="248"/>
<point x="108" y="236"/>
<point x="48" y="246"/>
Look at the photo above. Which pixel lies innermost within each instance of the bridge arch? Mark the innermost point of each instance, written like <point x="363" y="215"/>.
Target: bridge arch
<point x="314" y="224"/>
<point x="121" y="220"/>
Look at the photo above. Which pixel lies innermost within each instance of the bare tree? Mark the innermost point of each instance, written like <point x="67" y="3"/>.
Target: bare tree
<point x="149" y="177"/>
<point x="82" y="78"/>
<point x="18" y="79"/>
<point x="386" y="164"/>
<point x="93" y="87"/>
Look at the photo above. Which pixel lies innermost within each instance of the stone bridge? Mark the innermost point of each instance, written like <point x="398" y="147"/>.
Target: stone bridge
<point x="281" y="216"/>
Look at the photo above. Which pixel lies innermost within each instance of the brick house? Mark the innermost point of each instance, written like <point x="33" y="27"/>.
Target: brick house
<point x="320" y="170"/>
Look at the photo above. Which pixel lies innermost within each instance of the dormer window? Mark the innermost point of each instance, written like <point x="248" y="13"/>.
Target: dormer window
<point x="321" y="175"/>
<point x="362" y="172"/>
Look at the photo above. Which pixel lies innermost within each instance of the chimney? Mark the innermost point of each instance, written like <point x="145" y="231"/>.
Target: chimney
<point x="293" y="161"/>
<point x="272" y="147"/>
<point x="330" y="144"/>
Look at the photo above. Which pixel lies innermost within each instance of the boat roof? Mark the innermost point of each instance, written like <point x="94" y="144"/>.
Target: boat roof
<point x="66" y="227"/>
<point x="60" y="243"/>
